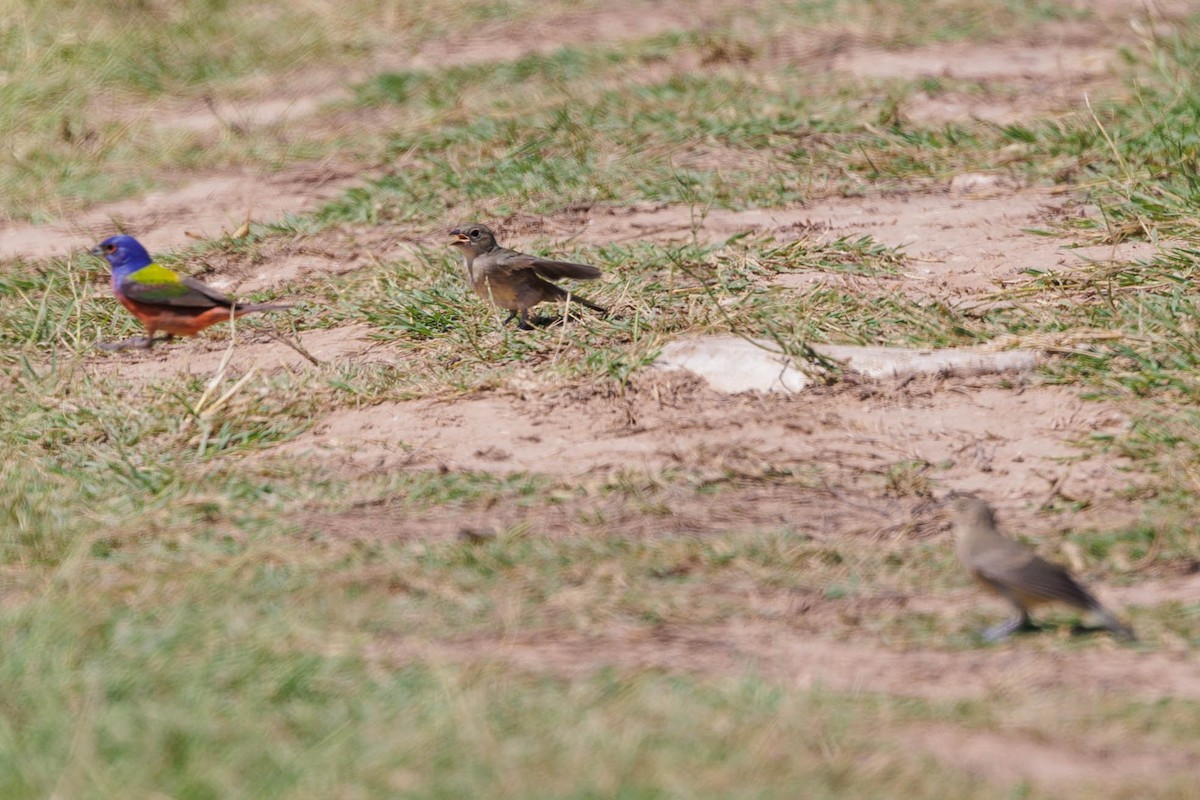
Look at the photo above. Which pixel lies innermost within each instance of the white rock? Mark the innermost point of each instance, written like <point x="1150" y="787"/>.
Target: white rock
<point x="986" y="183"/>
<point x="732" y="364"/>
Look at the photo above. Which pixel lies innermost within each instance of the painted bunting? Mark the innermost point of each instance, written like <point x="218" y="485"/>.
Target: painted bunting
<point x="513" y="280"/>
<point x="161" y="298"/>
<point x="1016" y="573"/>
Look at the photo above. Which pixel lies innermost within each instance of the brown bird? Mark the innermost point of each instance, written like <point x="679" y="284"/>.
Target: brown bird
<point x="1016" y="573"/>
<point x="513" y="280"/>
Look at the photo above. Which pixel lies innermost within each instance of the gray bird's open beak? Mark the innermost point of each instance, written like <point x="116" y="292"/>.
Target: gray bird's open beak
<point x="459" y="238"/>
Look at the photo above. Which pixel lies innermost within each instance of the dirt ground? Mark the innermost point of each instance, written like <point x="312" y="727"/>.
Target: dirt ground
<point x="1013" y="439"/>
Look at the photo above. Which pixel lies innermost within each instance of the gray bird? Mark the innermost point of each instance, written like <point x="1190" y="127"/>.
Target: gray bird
<point x="1015" y="572"/>
<point x="513" y="280"/>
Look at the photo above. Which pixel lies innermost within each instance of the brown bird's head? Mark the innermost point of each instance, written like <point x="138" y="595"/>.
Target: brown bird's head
<point x="975" y="532"/>
<point x="474" y="238"/>
<point x="970" y="515"/>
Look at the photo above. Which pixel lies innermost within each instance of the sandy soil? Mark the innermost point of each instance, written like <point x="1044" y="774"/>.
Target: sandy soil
<point x="958" y="241"/>
<point x="1013" y="444"/>
<point x="210" y="207"/>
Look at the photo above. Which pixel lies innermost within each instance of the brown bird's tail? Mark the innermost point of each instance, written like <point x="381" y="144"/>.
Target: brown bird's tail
<point x="1110" y="621"/>
<point x="557" y="270"/>
<point x="1087" y="601"/>
<point x="584" y="302"/>
<point x="1070" y="591"/>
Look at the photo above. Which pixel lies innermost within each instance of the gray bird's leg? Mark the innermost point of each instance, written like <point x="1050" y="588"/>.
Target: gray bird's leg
<point x="139" y="342"/>
<point x="511" y="316"/>
<point x="150" y="340"/>
<point x="524" y="325"/>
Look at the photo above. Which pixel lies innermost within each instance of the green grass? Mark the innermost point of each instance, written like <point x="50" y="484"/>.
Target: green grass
<point x="187" y="612"/>
<point x="84" y="87"/>
<point x="277" y="722"/>
<point x="88" y="95"/>
<point x="213" y="654"/>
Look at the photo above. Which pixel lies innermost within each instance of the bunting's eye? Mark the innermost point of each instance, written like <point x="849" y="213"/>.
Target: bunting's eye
<point x="110" y="248"/>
